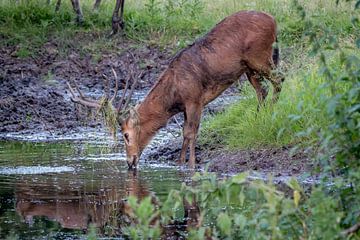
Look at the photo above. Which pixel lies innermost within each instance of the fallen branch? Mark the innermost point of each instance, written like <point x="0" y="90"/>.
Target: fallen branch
<point x="351" y="230"/>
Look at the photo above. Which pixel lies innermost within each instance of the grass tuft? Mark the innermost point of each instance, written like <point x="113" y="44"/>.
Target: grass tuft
<point x="110" y="116"/>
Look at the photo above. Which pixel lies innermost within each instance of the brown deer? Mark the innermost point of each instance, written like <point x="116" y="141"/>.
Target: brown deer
<point x="240" y="44"/>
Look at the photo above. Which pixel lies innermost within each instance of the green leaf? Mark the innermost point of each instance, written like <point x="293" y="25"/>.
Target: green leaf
<point x="145" y="209"/>
<point x="240" y="178"/>
<point x="241" y="197"/>
<point x="294" y="185"/>
<point x="240" y="221"/>
<point x="354" y="108"/>
<point x="280" y="133"/>
<point x="132" y="201"/>
<point x="224" y="223"/>
<point x="297" y="197"/>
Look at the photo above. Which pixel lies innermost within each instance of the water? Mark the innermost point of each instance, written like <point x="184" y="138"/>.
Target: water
<point x="57" y="190"/>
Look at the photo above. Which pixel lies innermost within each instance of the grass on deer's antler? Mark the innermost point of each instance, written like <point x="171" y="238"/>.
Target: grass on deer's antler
<point x="110" y="115"/>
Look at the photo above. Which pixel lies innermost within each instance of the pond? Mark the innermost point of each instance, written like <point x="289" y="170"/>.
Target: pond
<point x="59" y="189"/>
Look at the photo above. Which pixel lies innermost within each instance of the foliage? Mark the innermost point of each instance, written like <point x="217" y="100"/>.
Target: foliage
<point x="339" y="155"/>
<point x="242" y="209"/>
<point x="326" y="116"/>
<point x="144" y="213"/>
<point x="31" y="23"/>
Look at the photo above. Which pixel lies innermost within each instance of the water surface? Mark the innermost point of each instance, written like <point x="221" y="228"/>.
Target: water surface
<point x="57" y="190"/>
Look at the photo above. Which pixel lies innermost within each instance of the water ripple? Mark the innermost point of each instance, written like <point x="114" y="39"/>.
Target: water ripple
<point x="34" y="170"/>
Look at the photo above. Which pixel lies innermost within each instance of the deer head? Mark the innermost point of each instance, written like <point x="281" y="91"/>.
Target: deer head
<point x="130" y="128"/>
<point x="122" y="115"/>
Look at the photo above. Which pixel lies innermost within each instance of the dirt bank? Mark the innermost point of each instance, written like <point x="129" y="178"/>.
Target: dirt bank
<point x="279" y="162"/>
<point x="33" y="91"/>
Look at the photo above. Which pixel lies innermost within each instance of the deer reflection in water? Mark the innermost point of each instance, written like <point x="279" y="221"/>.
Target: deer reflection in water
<point x="104" y="206"/>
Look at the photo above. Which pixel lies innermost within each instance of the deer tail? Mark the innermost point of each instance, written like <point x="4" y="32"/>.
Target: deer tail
<point x="276" y="53"/>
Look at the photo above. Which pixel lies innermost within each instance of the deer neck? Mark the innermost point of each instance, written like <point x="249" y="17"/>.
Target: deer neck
<point x="154" y="112"/>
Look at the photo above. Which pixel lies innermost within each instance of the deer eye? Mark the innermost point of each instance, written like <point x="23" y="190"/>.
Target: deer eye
<point x="126" y="136"/>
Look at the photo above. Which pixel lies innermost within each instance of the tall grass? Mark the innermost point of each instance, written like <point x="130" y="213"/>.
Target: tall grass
<point x="297" y="117"/>
<point x="30" y="23"/>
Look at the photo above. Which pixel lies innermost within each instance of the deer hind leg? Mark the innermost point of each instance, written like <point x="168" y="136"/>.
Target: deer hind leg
<point x="276" y="79"/>
<point x="191" y="127"/>
<point x="270" y="72"/>
<point x="261" y="91"/>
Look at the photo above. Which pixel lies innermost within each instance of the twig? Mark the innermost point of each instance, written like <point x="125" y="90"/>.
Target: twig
<point x="116" y="85"/>
<point x="106" y="86"/>
<point x="351" y="230"/>
<point x="177" y="122"/>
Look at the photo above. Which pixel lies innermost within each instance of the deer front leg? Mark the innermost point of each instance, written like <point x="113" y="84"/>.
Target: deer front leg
<point x="191" y="126"/>
<point x="276" y="80"/>
<point x="184" y="148"/>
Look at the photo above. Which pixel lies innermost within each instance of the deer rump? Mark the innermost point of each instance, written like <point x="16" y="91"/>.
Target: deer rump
<point x="240" y="44"/>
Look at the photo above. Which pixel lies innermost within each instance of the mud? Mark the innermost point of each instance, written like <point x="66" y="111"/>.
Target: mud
<point x="33" y="91"/>
<point x="279" y="162"/>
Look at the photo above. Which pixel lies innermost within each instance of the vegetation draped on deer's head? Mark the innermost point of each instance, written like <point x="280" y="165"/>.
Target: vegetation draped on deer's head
<point x="112" y="113"/>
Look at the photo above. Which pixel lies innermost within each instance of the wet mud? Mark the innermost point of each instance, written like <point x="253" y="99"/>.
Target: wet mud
<point x="280" y="163"/>
<point x="33" y="91"/>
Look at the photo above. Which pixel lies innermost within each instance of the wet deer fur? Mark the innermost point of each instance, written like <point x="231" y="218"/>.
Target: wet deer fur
<point x="240" y="44"/>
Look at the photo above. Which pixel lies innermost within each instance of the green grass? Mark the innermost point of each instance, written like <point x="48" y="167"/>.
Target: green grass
<point x="175" y="23"/>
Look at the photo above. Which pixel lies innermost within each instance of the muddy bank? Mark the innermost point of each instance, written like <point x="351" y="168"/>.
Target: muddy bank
<point x="276" y="161"/>
<point x="33" y="91"/>
<point x="279" y="162"/>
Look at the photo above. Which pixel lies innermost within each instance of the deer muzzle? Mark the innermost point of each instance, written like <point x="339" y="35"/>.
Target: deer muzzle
<point x="132" y="161"/>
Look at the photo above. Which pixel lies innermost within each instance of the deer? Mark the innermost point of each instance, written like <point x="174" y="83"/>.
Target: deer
<point x="102" y="206"/>
<point x="117" y="20"/>
<point x="242" y="43"/>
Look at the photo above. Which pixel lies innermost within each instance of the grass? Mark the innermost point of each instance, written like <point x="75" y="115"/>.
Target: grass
<point x="242" y="126"/>
<point x="31" y="23"/>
